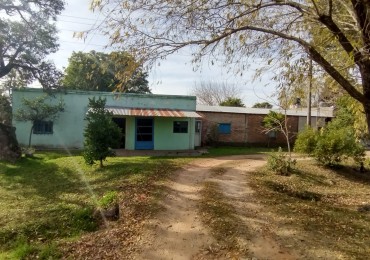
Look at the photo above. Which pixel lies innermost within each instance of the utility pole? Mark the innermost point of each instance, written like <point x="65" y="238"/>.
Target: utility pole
<point x="309" y="94"/>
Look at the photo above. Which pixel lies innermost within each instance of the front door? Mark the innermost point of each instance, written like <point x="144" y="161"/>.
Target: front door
<point x="144" y="134"/>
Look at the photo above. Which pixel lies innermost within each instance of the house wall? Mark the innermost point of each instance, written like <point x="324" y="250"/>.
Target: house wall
<point x="239" y="125"/>
<point x="165" y="139"/>
<point x="258" y="136"/>
<point x="316" y="122"/>
<point x="69" y="127"/>
<point x="245" y="128"/>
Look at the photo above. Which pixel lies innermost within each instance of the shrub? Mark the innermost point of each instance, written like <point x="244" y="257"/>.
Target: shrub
<point x="109" y="199"/>
<point x="331" y="145"/>
<point x="335" y="145"/>
<point x="280" y="163"/>
<point x="306" y="141"/>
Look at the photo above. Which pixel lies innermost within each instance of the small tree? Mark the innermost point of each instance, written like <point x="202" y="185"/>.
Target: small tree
<point x="101" y="133"/>
<point x="37" y="109"/>
<point x="278" y="122"/>
<point x="232" y="102"/>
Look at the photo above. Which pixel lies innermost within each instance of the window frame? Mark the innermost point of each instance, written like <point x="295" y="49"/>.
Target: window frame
<point x="42" y="127"/>
<point x="180" y="128"/>
<point x="221" y="128"/>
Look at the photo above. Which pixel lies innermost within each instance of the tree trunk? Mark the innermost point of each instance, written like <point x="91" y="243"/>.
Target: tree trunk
<point x="9" y="148"/>
<point x="367" y="113"/>
<point x="365" y="75"/>
<point x="29" y="139"/>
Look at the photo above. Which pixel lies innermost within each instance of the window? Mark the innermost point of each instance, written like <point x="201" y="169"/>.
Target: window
<point x="43" y="127"/>
<point x="224" y="128"/>
<point x="198" y="125"/>
<point x="180" y="126"/>
<point x="272" y="134"/>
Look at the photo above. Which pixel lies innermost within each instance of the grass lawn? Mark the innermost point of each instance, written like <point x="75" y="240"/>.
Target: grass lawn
<point x="317" y="209"/>
<point x="230" y="150"/>
<point x="51" y="198"/>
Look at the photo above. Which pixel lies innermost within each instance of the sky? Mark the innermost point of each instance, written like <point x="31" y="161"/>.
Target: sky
<point x="175" y="75"/>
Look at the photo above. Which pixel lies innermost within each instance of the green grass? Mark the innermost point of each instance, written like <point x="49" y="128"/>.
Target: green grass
<point x="320" y="207"/>
<point x="229" y="150"/>
<point x="52" y="197"/>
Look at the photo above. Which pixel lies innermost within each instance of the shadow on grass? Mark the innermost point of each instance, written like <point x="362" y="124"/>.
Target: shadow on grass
<point x="36" y="176"/>
<point x="62" y="221"/>
<point x="308" y="177"/>
<point x="352" y="174"/>
<point x="140" y="169"/>
<point x="52" y="196"/>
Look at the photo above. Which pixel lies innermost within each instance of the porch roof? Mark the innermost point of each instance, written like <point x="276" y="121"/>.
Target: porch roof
<point x="151" y="112"/>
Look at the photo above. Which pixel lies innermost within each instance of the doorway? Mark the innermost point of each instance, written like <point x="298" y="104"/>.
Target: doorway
<point x="121" y="122"/>
<point x="144" y="134"/>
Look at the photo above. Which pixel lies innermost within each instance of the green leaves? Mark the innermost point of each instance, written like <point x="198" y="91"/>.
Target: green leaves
<point x="232" y="102"/>
<point x="274" y="121"/>
<point x="101" y="133"/>
<point x="26" y="37"/>
<point x="331" y="145"/>
<point x="105" y="72"/>
<point x="38" y="109"/>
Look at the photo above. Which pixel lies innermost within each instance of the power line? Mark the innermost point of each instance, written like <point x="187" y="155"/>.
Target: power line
<point x="70" y="30"/>
<point x="79" y="17"/>
<point x="84" y="43"/>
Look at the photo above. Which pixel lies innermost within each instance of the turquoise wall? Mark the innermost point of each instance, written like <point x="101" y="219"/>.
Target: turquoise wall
<point x="68" y="128"/>
<point x="130" y="133"/>
<point x="165" y="139"/>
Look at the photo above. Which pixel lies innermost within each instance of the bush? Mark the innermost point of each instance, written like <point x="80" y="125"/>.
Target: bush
<point x="280" y="163"/>
<point x="331" y="145"/>
<point x="109" y="199"/>
<point x="306" y="141"/>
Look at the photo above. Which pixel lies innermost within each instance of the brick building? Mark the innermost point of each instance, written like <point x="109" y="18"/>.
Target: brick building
<point x="243" y="126"/>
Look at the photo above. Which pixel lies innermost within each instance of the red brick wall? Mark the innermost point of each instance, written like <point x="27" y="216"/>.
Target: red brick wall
<point x="238" y="126"/>
<point x="257" y="136"/>
<point x="245" y="128"/>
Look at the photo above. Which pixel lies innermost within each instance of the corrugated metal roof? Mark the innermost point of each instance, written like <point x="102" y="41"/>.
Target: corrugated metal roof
<point x="151" y="112"/>
<point x="320" y="112"/>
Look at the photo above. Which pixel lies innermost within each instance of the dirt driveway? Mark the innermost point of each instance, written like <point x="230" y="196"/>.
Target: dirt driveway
<point x="178" y="233"/>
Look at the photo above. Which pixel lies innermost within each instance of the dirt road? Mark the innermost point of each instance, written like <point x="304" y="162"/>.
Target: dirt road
<point x="178" y="233"/>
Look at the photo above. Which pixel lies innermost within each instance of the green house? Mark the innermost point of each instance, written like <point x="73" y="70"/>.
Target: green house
<point x="147" y="121"/>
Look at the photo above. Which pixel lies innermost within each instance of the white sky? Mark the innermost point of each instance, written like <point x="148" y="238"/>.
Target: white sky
<point x="175" y="76"/>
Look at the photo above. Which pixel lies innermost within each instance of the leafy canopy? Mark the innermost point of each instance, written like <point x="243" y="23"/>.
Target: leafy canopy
<point x="105" y="72"/>
<point x="262" y="105"/>
<point x="27" y="36"/>
<point x="101" y="133"/>
<point x="334" y="34"/>
<point x="232" y="102"/>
